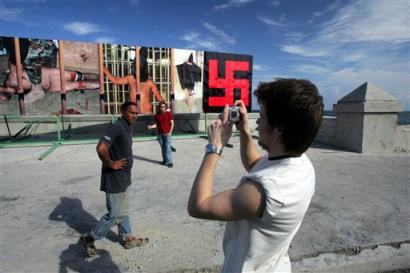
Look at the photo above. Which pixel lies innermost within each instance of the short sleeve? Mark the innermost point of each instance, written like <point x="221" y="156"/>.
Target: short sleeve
<point x="274" y="201"/>
<point x="111" y="134"/>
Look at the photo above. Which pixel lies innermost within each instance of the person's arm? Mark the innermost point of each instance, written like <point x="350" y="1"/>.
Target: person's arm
<point x="129" y="79"/>
<point x="249" y="155"/>
<point x="103" y="152"/>
<point x="12" y="80"/>
<point x="6" y="93"/>
<point x="151" y="126"/>
<point x="172" y="127"/>
<point x="154" y="90"/>
<point x="244" y="202"/>
<point x="117" y="80"/>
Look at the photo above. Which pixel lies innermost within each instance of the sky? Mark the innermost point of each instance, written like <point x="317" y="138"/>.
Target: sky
<point x="337" y="44"/>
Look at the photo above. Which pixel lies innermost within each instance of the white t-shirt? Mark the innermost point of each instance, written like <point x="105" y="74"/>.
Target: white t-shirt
<point x="261" y="245"/>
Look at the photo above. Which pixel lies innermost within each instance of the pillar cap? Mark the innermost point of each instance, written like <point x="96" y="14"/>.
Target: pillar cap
<point x="368" y="98"/>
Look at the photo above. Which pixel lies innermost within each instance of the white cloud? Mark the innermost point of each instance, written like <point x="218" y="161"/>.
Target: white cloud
<point x="334" y="84"/>
<point x="369" y="21"/>
<point x="134" y="3"/>
<point x="294" y="37"/>
<point x="208" y="44"/>
<point x="219" y="33"/>
<point x="215" y="40"/>
<point x="232" y="4"/>
<point x="190" y="37"/>
<point x="273" y="3"/>
<point x="312" y="69"/>
<point x="10" y="14"/>
<point x="257" y="67"/>
<point x="329" y="8"/>
<point x="303" y="51"/>
<point x="195" y="40"/>
<point x="82" y="28"/>
<point x="270" y="22"/>
<point x="105" y="40"/>
<point x="358" y="26"/>
<point x="364" y="41"/>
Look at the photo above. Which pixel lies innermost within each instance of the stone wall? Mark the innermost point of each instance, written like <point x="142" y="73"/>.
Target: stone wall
<point x="402" y="141"/>
<point x="327" y="131"/>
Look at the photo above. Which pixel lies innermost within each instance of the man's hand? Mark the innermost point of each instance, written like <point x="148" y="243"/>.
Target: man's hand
<point x="104" y="154"/>
<point x="118" y="164"/>
<point x="220" y="131"/>
<point x="242" y="125"/>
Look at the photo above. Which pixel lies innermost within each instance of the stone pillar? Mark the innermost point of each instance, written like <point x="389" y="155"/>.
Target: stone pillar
<point x="367" y="120"/>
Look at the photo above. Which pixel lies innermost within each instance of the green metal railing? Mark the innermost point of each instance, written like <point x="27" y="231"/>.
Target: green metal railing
<point x="22" y="137"/>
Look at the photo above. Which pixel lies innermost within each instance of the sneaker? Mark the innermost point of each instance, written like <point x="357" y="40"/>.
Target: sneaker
<point x="88" y="242"/>
<point x="131" y="241"/>
<point x="170" y="165"/>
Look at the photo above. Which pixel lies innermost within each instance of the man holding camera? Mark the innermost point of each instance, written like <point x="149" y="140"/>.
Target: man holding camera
<point x="266" y="209"/>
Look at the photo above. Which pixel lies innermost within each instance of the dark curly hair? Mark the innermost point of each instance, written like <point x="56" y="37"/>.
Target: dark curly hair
<point x="296" y="107"/>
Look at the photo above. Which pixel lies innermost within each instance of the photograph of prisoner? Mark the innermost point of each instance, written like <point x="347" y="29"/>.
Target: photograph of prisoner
<point x="188" y="73"/>
<point x="39" y="87"/>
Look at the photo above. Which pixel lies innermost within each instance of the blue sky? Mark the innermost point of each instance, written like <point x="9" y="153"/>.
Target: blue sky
<point x="337" y="44"/>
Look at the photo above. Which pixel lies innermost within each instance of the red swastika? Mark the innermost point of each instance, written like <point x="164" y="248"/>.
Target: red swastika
<point x="229" y="83"/>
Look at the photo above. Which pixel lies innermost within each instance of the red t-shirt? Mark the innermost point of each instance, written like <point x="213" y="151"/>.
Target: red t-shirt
<point x="163" y="120"/>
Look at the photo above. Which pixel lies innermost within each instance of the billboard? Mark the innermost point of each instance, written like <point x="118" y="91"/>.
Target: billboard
<point x="54" y="77"/>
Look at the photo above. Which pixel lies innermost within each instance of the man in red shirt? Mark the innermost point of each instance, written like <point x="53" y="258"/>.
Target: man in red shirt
<point x="165" y="124"/>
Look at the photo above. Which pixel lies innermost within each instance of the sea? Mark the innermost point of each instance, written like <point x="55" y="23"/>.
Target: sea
<point x="403" y="117"/>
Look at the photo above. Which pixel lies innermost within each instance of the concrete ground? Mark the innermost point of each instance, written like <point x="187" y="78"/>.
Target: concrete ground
<point x="358" y="220"/>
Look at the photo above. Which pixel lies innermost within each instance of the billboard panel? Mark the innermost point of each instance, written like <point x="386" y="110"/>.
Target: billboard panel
<point x="228" y="77"/>
<point x="188" y="84"/>
<point x="46" y="85"/>
<point x="81" y="70"/>
<point x="43" y="77"/>
<point x="9" y="103"/>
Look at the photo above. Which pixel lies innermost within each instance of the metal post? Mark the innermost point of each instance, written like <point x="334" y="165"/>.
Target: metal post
<point x="19" y="72"/>
<point x="205" y="123"/>
<point x="62" y="78"/>
<point x="7" y="124"/>
<point x="101" y="72"/>
<point x="58" y="127"/>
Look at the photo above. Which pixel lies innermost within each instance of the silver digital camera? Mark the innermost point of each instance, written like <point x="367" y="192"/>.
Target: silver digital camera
<point x="234" y="114"/>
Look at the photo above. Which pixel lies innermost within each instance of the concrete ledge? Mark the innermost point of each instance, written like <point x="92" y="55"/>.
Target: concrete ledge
<point x="327" y="131"/>
<point x="402" y="143"/>
<point x="379" y="258"/>
<point x="382" y="258"/>
<point x="369" y="107"/>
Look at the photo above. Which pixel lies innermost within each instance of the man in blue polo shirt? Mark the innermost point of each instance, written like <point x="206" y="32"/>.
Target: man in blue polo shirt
<point x="115" y="151"/>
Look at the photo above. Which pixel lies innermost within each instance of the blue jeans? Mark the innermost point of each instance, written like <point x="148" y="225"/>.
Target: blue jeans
<point x="165" y="142"/>
<point x="117" y="206"/>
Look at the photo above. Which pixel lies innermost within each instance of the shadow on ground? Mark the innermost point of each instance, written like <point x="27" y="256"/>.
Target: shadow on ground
<point x="73" y="259"/>
<point x="141" y="158"/>
<point x="71" y="211"/>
